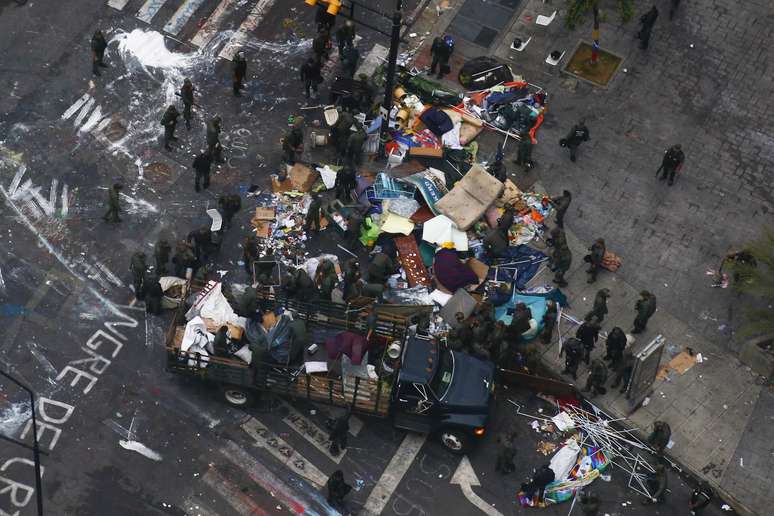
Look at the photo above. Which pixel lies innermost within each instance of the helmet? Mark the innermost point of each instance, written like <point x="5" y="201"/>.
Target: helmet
<point x="449" y="41"/>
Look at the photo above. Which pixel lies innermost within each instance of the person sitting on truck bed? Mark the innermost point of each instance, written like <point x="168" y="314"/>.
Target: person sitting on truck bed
<point x="300" y="286"/>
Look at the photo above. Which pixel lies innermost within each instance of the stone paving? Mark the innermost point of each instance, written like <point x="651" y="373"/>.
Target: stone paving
<point x="714" y="98"/>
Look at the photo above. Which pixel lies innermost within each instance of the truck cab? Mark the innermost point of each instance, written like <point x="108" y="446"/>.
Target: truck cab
<point x="442" y="392"/>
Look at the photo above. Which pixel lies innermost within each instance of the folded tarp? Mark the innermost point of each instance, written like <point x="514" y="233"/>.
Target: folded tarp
<point x="519" y="266"/>
<point x="441" y="229"/>
<point x="347" y="343"/>
<point x="470" y="197"/>
<point x="431" y="184"/>
<point x="437" y="121"/>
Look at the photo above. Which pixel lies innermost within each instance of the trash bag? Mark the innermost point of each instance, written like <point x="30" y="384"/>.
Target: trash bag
<point x="484" y="72"/>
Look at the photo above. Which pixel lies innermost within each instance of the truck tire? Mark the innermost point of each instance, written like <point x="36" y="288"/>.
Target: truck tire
<point x="237" y="396"/>
<point x="455" y="440"/>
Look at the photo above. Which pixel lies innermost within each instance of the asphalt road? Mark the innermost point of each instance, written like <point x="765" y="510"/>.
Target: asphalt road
<point x="123" y="436"/>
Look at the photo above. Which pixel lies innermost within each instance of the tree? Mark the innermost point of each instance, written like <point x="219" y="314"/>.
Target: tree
<point x="755" y="278"/>
<point x="577" y="9"/>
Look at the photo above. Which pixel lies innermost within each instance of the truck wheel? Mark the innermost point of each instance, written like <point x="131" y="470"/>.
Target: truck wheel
<point x="456" y="441"/>
<point x="237" y="396"/>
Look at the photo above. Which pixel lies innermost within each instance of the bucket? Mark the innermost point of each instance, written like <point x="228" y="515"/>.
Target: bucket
<point x="331" y="115"/>
<point x="402" y="116"/>
<point x="399" y="93"/>
<point x="318" y="139"/>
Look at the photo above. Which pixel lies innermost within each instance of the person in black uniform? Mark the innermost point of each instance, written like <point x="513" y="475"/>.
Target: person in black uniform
<point x="577" y="135"/>
<point x="187" y="94"/>
<point x="98" y="47"/>
<point x="240" y="71"/>
<point x="201" y="165"/>
<point x="169" y="121"/>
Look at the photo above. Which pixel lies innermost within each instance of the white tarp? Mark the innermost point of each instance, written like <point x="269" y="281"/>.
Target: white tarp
<point x="215" y="306"/>
<point x="564" y="460"/>
<point x="197" y="339"/>
<point x="441" y="229"/>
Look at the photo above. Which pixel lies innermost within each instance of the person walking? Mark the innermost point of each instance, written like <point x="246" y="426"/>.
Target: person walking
<point x="346" y="181"/>
<point x="114" y="205"/>
<point x="239" y="66"/>
<point x="187" y="94"/>
<point x="321" y="46"/>
<point x="595" y="257"/>
<point x="648" y="20"/>
<point x="229" y="205"/>
<point x="599" y="310"/>
<point x="339" y="428"/>
<point x="671" y="163"/>
<point x="311" y="77"/>
<point x="98" y="47"/>
<point x="184" y="259"/>
<point x="614" y="347"/>
<point x="507" y="453"/>
<point x="293" y="142"/>
<point x="701" y="497"/>
<point x="354" y="151"/>
<point x="169" y="121"/>
<point x="623" y="371"/>
<point x="312" y="222"/>
<point x="153" y="293"/>
<point x="441" y="51"/>
<point x="646" y="307"/>
<point x="561" y="205"/>
<point x="137" y="266"/>
<point x="201" y="165"/>
<point x="524" y="153"/>
<point x="214" y="148"/>
<point x="556" y="237"/>
<point x="572" y="348"/>
<point x="161" y="253"/>
<point x="657" y="486"/>
<point x="588" y="334"/>
<point x="497" y="168"/>
<point x="350" y="61"/>
<point x="561" y="262"/>
<point x="549" y="322"/>
<point x="345" y="37"/>
<point x="337" y="489"/>
<point x="577" y="135"/>
<point x="660" y="436"/>
<point x="595" y="384"/>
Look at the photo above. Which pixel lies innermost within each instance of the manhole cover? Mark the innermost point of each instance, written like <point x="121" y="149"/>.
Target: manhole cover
<point x="115" y="130"/>
<point x="157" y="168"/>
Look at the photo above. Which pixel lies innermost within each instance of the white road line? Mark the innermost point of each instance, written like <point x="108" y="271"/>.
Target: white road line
<point x="311" y="432"/>
<point x="149" y="10"/>
<point x="76" y="106"/>
<point x="392" y="476"/>
<point x="193" y="506"/>
<point x="231" y="493"/>
<point x="104" y="123"/>
<point x="181" y="16"/>
<point x="210" y="28"/>
<point x="248" y="25"/>
<point x="91" y="123"/>
<point x="283" y="452"/>
<point x="84" y="111"/>
<point x="466" y="478"/>
<point x="118" y="4"/>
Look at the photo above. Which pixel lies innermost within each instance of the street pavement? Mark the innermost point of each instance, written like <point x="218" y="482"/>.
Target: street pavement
<point x="705" y="83"/>
<point x="71" y="330"/>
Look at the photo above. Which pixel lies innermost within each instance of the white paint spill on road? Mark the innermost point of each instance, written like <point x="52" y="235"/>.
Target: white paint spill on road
<point x="44" y="361"/>
<point x="17" y="177"/>
<point x="76" y="106"/>
<point x="394" y="473"/>
<point x="249" y="24"/>
<point x="2" y="283"/>
<point x="138" y="206"/>
<point x="149" y="10"/>
<point x="83" y="112"/>
<point x="181" y="16"/>
<point x="109" y="274"/>
<point x="104" y="123"/>
<point x="118" y="4"/>
<point x="210" y="28"/>
<point x="87" y="316"/>
<point x="65" y="210"/>
<point x="140" y="448"/>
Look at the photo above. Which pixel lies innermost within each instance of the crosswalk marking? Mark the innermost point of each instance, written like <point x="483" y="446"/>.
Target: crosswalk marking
<point x="85" y="111"/>
<point x="394" y="473"/>
<point x="210" y="28"/>
<point x="149" y="10"/>
<point x="94" y="118"/>
<point x="118" y="4"/>
<point x="248" y="25"/>
<point x="181" y="16"/>
<point x="309" y="431"/>
<point x="263" y="477"/>
<point x="231" y="493"/>
<point x="283" y="452"/>
<point x="76" y="106"/>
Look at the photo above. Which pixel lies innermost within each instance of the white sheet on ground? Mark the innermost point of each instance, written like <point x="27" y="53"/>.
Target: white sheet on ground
<point x="563" y="460"/>
<point x="442" y="229"/>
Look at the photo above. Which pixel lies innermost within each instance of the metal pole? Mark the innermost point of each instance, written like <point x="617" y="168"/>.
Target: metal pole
<point x="390" y="77"/>
<point x="35" y="448"/>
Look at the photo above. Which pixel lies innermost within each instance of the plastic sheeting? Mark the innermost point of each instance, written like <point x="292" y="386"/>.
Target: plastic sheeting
<point x="536" y="304"/>
<point x="563" y="461"/>
<point x="521" y="264"/>
<point x="197" y="340"/>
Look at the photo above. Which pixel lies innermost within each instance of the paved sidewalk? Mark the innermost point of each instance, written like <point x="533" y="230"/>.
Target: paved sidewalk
<point x="714" y="98"/>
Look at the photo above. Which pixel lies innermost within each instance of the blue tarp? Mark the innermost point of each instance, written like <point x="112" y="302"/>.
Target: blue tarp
<point x="519" y="266"/>
<point x="536" y="304"/>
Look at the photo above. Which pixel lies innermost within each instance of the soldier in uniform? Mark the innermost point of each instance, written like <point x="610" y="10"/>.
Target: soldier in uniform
<point x="646" y="307"/>
<point x="311" y="76"/>
<point x="169" y="121"/>
<point x="201" y="165"/>
<point x="660" y="436"/>
<point x="562" y="259"/>
<point x="326" y="279"/>
<point x="248" y="303"/>
<point x="623" y="371"/>
<point x="293" y="141"/>
<point x="561" y="205"/>
<point x="596" y="255"/>
<point x="556" y="237"/>
<point x="240" y="70"/>
<point x="573" y="351"/>
<point x="614" y="346"/>
<point x="187" y="94"/>
<point x="599" y="310"/>
<point x="229" y="205"/>
<point x="337" y="489"/>
<point x="339" y="428"/>
<point x="153" y="294"/>
<point x="312" y="223"/>
<point x="354" y="152"/>
<point x="505" y="457"/>
<point x="497" y="168"/>
<point x="349" y="61"/>
<point x="549" y="321"/>
<point x="441" y="51"/>
<point x="340" y="132"/>
<point x="657" y="485"/>
<point x="672" y="162"/>
<point x="346" y="181"/>
<point x="588" y="334"/>
<point x="138" y="267"/>
<point x="250" y="253"/>
<point x="98" y="47"/>
<point x="200" y="240"/>
<point x="321" y="46"/>
<point x="114" y="206"/>
<point x="214" y="147"/>
<point x="345" y="37"/>
<point x="161" y="253"/>
<point x="597" y="378"/>
<point x="380" y="268"/>
<point x="524" y="154"/>
<point x="184" y="259"/>
<point x="577" y="135"/>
